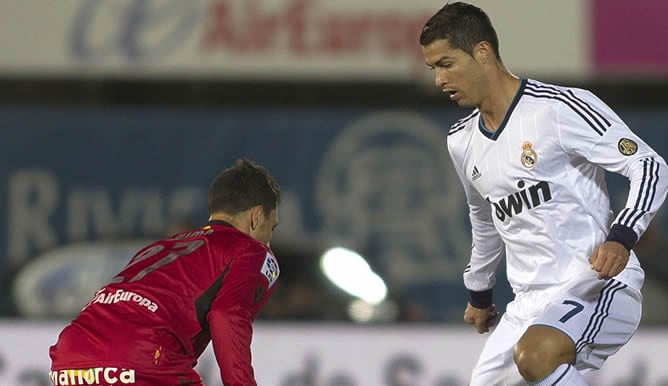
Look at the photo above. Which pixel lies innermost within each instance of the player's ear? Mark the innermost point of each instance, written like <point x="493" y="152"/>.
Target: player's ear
<point x="482" y="52"/>
<point x="257" y="215"/>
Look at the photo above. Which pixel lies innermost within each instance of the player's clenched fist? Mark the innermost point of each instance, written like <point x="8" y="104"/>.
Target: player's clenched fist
<point x="609" y="259"/>
<point x="482" y="318"/>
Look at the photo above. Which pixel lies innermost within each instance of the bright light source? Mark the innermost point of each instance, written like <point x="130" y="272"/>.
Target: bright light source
<point x="363" y="312"/>
<point x="360" y="311"/>
<point x="350" y="272"/>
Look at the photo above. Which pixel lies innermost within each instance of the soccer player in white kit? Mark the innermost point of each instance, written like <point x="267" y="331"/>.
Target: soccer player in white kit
<point x="532" y="158"/>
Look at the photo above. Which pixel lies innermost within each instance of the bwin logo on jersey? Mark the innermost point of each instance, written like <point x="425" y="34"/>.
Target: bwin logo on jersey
<point x="528" y="198"/>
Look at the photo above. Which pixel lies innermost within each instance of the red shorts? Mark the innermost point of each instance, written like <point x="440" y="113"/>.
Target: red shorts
<point x="119" y="376"/>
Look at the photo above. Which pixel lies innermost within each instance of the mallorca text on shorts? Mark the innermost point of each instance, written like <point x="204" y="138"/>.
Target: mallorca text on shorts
<point x="97" y="376"/>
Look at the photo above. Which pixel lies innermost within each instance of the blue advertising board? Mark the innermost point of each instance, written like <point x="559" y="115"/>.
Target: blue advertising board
<point x="377" y="181"/>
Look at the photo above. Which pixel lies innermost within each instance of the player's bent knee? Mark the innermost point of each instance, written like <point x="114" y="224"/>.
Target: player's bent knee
<point x="532" y="364"/>
<point x="541" y="350"/>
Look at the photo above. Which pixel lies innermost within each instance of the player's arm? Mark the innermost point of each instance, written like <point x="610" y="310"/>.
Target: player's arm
<point x="231" y="317"/>
<point x="590" y="129"/>
<point x="486" y="252"/>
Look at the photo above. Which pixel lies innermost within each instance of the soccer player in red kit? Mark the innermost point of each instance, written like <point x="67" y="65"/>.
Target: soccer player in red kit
<point x="150" y="324"/>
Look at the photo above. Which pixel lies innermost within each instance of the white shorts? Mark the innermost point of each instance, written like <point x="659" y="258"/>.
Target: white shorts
<point x="600" y="320"/>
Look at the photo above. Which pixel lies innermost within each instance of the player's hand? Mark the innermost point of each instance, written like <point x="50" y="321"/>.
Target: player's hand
<point x="482" y="318"/>
<point x="609" y="259"/>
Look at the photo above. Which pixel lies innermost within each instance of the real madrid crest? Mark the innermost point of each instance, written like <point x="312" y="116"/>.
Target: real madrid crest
<point x="529" y="156"/>
<point x="627" y="146"/>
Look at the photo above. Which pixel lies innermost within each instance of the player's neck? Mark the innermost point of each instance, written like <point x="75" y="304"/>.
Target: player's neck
<point x="240" y="221"/>
<point x="502" y="89"/>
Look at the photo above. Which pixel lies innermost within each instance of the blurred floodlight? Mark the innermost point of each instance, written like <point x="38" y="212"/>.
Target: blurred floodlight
<point x="360" y="311"/>
<point x="363" y="312"/>
<point x="350" y="272"/>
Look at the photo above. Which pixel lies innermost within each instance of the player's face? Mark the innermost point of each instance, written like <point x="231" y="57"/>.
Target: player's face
<point x="456" y="73"/>
<point x="266" y="225"/>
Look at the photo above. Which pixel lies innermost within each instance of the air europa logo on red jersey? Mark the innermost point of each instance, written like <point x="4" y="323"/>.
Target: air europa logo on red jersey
<point x="122" y="296"/>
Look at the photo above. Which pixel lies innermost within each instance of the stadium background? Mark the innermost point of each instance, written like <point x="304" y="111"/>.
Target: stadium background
<point x="115" y="115"/>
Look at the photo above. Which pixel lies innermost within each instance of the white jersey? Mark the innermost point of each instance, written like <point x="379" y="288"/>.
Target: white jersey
<point x="536" y="189"/>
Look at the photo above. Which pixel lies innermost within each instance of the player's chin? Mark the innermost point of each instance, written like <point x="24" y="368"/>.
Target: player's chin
<point x="461" y="102"/>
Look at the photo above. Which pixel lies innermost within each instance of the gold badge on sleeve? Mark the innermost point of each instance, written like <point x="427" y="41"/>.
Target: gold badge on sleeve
<point x="627" y="146"/>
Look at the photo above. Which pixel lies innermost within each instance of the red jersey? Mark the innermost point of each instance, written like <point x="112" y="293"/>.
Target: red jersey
<point x="174" y="296"/>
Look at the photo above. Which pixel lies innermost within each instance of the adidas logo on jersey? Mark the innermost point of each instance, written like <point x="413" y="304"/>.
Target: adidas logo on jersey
<point x="528" y="198"/>
<point x="476" y="174"/>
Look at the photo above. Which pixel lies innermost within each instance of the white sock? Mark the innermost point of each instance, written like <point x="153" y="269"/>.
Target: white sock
<point x="562" y="376"/>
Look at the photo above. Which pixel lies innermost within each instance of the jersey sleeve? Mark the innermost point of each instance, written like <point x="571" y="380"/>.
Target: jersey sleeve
<point x="487" y="248"/>
<point x="232" y="314"/>
<point x="590" y="129"/>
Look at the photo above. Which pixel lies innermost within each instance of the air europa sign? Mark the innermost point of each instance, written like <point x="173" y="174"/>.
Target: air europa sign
<point x="291" y="36"/>
<point x="273" y="39"/>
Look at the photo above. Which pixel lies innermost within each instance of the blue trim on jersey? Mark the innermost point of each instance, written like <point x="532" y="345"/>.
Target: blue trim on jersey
<point x="646" y="193"/>
<point x="593" y="118"/>
<point x="656" y="182"/>
<point x="588" y="107"/>
<point x="493" y="135"/>
<point x="576" y="99"/>
<point x="563" y="374"/>
<point x="601" y="312"/>
<point x="651" y="181"/>
<point x="481" y="299"/>
<point x="460" y="124"/>
<point x="623" y="235"/>
<point x="487" y="132"/>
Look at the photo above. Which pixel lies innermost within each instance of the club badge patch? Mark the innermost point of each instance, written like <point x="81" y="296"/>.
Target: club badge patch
<point x="627" y="146"/>
<point x="529" y="156"/>
<point x="270" y="269"/>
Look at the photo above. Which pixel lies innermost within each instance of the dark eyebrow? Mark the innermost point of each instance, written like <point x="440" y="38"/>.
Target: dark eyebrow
<point x="439" y="62"/>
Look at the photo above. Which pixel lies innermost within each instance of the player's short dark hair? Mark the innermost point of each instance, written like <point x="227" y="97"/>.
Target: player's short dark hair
<point x="463" y="25"/>
<point x="243" y="186"/>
